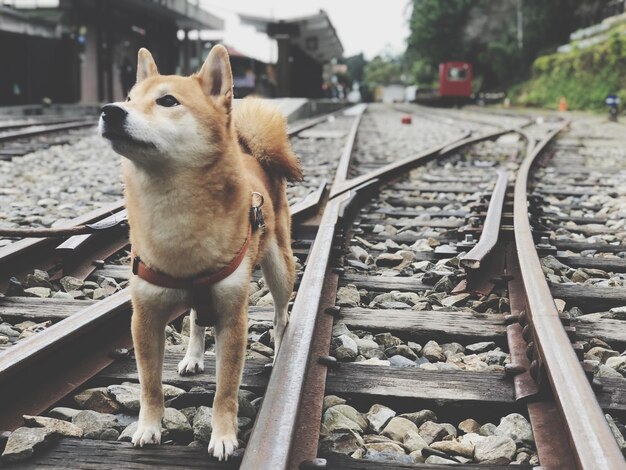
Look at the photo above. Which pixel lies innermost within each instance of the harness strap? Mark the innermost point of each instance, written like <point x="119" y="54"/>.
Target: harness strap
<point x="157" y="278"/>
<point x="201" y="295"/>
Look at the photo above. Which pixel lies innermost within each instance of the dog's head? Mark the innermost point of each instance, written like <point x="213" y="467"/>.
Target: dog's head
<point x="170" y="119"/>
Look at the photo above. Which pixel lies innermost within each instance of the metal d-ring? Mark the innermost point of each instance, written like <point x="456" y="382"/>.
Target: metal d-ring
<point x="254" y="193"/>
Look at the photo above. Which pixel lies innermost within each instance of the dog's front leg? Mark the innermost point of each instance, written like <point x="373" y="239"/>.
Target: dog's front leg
<point x="231" y="339"/>
<point x="149" y="318"/>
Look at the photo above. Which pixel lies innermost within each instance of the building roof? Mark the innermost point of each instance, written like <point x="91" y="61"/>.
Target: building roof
<point x="186" y="14"/>
<point x="314" y="34"/>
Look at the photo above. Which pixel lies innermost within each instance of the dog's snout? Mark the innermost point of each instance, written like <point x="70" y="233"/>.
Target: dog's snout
<point x="112" y="114"/>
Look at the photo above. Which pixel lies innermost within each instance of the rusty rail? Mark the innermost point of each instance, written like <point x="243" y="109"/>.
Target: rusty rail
<point x="588" y="433"/>
<point x="277" y="418"/>
<point x="391" y="170"/>
<point x="491" y="228"/>
<point x="45" y="129"/>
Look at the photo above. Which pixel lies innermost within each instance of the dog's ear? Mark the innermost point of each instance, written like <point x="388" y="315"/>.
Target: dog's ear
<point x="216" y="77"/>
<point x="145" y="65"/>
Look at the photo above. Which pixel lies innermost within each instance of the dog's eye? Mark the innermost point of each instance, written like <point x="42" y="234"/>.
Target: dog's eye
<point x="128" y="98"/>
<point x="168" y="101"/>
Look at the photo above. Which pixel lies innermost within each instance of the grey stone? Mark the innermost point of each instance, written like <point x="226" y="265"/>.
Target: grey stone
<point x="517" y="428"/>
<point x="62" y="428"/>
<point x="435" y="459"/>
<point x="401" y="361"/>
<point x="43" y="292"/>
<point x="348" y="296"/>
<point x="386" y="340"/>
<point x="97" y="399"/>
<point x="110" y="435"/>
<point x="8" y="330"/>
<point x="23" y="442"/>
<point x="352" y="414"/>
<point x="415" y="347"/>
<point x="95" y="424"/>
<point x="606" y="371"/>
<point x="176" y="424"/>
<point x="481" y="347"/>
<point x="333" y="420"/>
<point x="552" y="263"/>
<point x="431" y="431"/>
<point x="128" y="432"/>
<point x="601" y="354"/>
<point x="402" y="350"/>
<point x="37" y="279"/>
<point x="452" y="348"/>
<point x="70" y="283"/>
<point x="413" y="442"/>
<point x="202" y="427"/>
<point x="126" y="395"/>
<point x="332" y="400"/>
<point x="454" y="300"/>
<point x="433" y="352"/>
<point x="487" y="429"/>
<point x="378" y="447"/>
<point x="346" y="342"/>
<point x="368" y="348"/>
<point x="495" y="449"/>
<point x="389" y="260"/>
<point x="420" y="417"/>
<point x="262" y="349"/>
<point x="469" y="426"/>
<point x="378" y="416"/>
<point x="246" y="409"/>
<point x="343" y="443"/>
<point x="397" y="428"/>
<point x="61" y="412"/>
<point x="617" y="363"/>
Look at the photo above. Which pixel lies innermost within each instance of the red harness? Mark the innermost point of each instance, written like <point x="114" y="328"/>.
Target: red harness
<point x="198" y="285"/>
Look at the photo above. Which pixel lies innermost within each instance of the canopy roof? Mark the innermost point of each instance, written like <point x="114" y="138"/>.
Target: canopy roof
<point x="314" y="34"/>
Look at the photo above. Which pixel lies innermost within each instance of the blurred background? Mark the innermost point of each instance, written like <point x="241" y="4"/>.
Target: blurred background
<point x="532" y="52"/>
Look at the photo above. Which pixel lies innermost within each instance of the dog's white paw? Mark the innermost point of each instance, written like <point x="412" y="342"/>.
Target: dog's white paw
<point x="147" y="434"/>
<point x="190" y="365"/>
<point x="222" y="446"/>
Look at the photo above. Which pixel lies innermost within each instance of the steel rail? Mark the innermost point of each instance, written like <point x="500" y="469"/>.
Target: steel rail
<point x="588" y="433"/>
<point x="341" y="173"/>
<point x="67" y="354"/>
<point x="277" y="419"/>
<point x="491" y="227"/>
<point x="394" y="169"/>
<point x="46" y="129"/>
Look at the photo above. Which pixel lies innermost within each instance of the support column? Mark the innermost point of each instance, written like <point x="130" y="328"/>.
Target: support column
<point x="283" y="65"/>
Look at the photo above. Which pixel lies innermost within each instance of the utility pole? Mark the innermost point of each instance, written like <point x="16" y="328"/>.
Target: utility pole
<point x="520" y="26"/>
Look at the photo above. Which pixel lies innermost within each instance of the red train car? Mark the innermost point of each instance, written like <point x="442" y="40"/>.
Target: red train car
<point x="455" y="80"/>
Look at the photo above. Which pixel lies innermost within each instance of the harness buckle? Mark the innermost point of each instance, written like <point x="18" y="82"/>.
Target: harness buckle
<point x="135" y="265"/>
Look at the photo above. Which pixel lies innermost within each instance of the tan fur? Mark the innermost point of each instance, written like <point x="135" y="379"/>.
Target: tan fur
<point x="188" y="194"/>
<point x="262" y="130"/>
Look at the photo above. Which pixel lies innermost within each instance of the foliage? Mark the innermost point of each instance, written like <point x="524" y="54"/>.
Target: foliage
<point x="383" y="71"/>
<point x="485" y="33"/>
<point x="584" y="76"/>
<point x="356" y="67"/>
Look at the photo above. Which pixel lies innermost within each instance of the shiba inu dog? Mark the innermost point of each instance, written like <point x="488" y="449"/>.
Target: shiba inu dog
<point x="195" y="169"/>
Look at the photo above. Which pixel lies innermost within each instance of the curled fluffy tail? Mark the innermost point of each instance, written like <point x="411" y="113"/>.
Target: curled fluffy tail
<point x="262" y="131"/>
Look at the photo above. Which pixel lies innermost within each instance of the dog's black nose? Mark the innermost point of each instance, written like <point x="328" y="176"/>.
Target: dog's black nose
<point x="112" y="114"/>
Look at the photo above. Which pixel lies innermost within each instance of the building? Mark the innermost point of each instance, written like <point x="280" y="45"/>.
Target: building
<point x="71" y="51"/>
<point x="305" y="45"/>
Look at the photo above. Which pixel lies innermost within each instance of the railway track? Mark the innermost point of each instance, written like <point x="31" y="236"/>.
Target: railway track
<point x="18" y="138"/>
<point x="411" y="318"/>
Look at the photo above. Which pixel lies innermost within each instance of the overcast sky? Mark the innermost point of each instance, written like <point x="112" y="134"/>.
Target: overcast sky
<point x="364" y="26"/>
